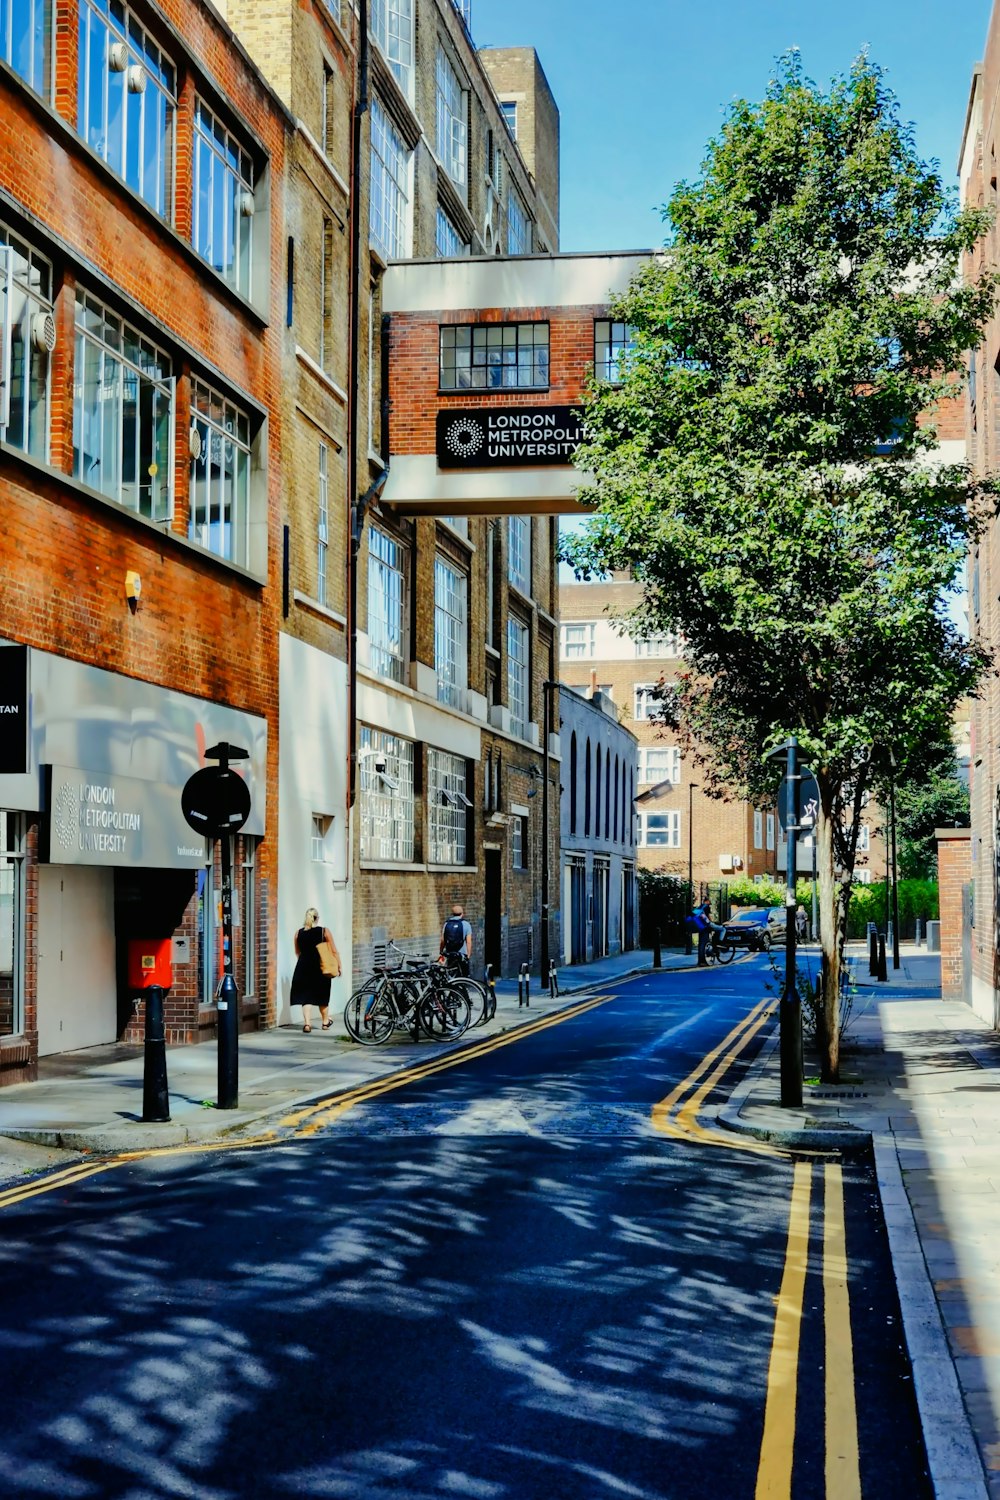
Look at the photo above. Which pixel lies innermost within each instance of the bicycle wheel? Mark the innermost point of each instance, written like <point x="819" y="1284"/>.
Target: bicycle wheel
<point x="369" y="1016"/>
<point x="725" y="952"/>
<point x="445" y="1013"/>
<point x="481" y="1001"/>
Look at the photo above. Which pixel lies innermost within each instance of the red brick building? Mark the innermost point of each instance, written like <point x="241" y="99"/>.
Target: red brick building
<point x="142" y="166"/>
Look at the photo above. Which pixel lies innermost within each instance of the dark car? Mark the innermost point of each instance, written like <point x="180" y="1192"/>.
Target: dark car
<point x="777" y="923"/>
<point x="749" y="929"/>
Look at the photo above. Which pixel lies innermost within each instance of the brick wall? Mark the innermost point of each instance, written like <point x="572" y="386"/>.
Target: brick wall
<point x="954" y="873"/>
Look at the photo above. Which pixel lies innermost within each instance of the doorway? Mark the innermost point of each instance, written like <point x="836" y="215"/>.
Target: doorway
<point x="77" y="991"/>
<point x="492" y="935"/>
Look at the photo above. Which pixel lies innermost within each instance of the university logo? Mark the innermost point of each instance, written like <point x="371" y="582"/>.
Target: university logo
<point x="464" y="437"/>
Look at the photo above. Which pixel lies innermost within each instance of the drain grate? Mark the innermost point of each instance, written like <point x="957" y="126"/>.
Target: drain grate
<point x="837" y="1094"/>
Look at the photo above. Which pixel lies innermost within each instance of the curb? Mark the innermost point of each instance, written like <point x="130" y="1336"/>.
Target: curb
<point x="797" y="1137"/>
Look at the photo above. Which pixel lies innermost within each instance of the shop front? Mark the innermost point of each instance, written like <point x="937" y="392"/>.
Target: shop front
<point x="95" y="855"/>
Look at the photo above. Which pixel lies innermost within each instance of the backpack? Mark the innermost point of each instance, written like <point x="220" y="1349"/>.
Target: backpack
<point x="454" y="935"/>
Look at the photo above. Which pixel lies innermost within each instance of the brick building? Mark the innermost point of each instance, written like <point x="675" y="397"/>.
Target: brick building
<point x="142" y="166"/>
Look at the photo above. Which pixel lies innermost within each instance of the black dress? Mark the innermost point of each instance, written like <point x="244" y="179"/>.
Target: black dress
<point x="310" y="986"/>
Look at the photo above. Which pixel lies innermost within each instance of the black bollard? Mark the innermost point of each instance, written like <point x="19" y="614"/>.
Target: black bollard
<point x="155" y="1098"/>
<point x="872" y="951"/>
<point x="553" y="981"/>
<point x="657" y="956"/>
<point x="523" y="986"/>
<point x="228" y="1005"/>
<point x="883" y="973"/>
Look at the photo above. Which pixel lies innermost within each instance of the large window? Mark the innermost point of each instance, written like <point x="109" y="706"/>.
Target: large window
<point x="26" y="334"/>
<point x="659" y="763"/>
<point x="578" y="640"/>
<point x="659" y="645"/>
<point x="517" y="676"/>
<point x="450" y="633"/>
<point x="612" y="340"/>
<point x="646" y="700"/>
<point x="494" y="356"/>
<point x="518" y="226"/>
<point x="449" y="802"/>
<point x="11" y="923"/>
<point x="660" y="829"/>
<point x="25" y="39"/>
<point x="386" y="589"/>
<point x="127" y="98"/>
<point x="220" y="475"/>
<point x="386" y="785"/>
<point x="392" y="25"/>
<point x="519" y="552"/>
<point x="390" y="187"/>
<point x="122" y="412"/>
<point x="323" y="523"/>
<point x="223" y="199"/>
<point x="451" y="126"/>
<point x="448" y="242"/>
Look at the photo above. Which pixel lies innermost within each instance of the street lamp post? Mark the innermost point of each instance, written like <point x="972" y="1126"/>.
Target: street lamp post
<point x="790" y="1011"/>
<point x="692" y="788"/>
<point x="895" y="883"/>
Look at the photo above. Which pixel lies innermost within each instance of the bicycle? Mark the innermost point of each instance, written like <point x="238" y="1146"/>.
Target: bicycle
<point x="482" y="997"/>
<point x="411" y="995"/>
<point x="719" y="948"/>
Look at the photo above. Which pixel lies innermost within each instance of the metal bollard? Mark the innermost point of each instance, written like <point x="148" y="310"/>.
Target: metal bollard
<point x="872" y="950"/>
<point x="657" y="956"/>
<point x="523" y="987"/>
<point x="920" y="932"/>
<point x="553" y="981"/>
<point x="155" y="1098"/>
<point x="491" y="992"/>
<point x="883" y="973"/>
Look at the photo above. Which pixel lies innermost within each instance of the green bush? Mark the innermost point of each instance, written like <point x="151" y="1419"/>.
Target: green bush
<point x="916" y="898"/>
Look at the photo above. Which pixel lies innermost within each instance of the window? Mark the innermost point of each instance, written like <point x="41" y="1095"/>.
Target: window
<point x="659" y="764"/>
<point x="758" y="830"/>
<point x="386" y="587"/>
<point x="517" y="676"/>
<point x="220" y="476"/>
<point x="122" y="412"/>
<point x="392" y="25"/>
<point x="863" y="877"/>
<point x="386" y="786"/>
<point x="327" y="114"/>
<point x="251" y="916"/>
<point x="449" y="807"/>
<point x="494" y="356"/>
<point x="322" y="828"/>
<point x="25" y="326"/>
<point x="322" y="524"/>
<point x="25" y="39"/>
<point x="611" y="341"/>
<point x="450" y="633"/>
<point x="646" y="700"/>
<point x="519" y="552"/>
<point x="864" y="838"/>
<point x="447" y="241"/>
<point x="770" y="830"/>
<point x="518" y="226"/>
<point x="127" y="98"/>
<point x="390" y="187"/>
<point x="12" y="910"/>
<point x="223" y="200"/>
<point x="333" y="6"/>
<point x="508" y="108"/>
<point x="659" y="645"/>
<point x="663" y="828"/>
<point x="519" y="843"/>
<point x="451" y="127"/>
<point x="572" y="783"/>
<point x="325" y="350"/>
<point x="578" y="640"/>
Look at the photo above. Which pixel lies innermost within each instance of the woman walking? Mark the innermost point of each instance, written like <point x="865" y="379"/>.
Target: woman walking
<point x="310" y="986"/>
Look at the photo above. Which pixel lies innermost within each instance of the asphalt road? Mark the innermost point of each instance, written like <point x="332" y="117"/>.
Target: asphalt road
<point x="533" y="1273"/>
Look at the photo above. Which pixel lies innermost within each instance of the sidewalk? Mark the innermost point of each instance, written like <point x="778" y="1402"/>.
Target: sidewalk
<point x="92" y="1100"/>
<point x="920" y="1080"/>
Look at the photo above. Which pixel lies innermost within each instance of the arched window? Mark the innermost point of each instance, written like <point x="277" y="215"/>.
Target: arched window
<point x="607" y="797"/>
<point x="618" y="806"/>
<point x="586" y="791"/>
<point x="597" y="799"/>
<point x="572" y="783"/>
<point x="630" y="807"/>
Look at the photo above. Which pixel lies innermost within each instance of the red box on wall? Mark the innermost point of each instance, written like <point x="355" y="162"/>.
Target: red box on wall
<point x="150" y="962"/>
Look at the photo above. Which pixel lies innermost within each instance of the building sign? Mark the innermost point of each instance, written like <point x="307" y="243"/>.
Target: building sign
<point x="502" y="437"/>
<point x="96" y="819"/>
<point x="13" y="710"/>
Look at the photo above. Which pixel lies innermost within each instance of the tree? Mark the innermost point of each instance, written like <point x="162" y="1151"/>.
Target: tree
<point x="939" y="801"/>
<point x="765" y="468"/>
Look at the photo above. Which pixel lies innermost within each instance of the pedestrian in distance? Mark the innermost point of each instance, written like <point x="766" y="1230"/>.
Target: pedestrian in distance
<point x="310" y="986"/>
<point x="456" y="941"/>
<point x="800" y="923"/>
<point x="701" y="922"/>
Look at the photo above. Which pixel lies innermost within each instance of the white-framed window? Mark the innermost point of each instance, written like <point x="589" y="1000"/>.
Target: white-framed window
<point x="863" y="877"/>
<point x="519" y="552"/>
<point x="646" y="702"/>
<point x="578" y="639"/>
<point x="864" y="838"/>
<point x="392" y="27"/>
<point x="769" y="825"/>
<point x="333" y="6"/>
<point x="123" y="408"/>
<point x="386" y="594"/>
<point x="451" y="634"/>
<point x="758" y="829"/>
<point x="658" y="645"/>
<point x="508" y="108"/>
<point x="12" y="920"/>
<point x="386" y="785"/>
<point x="223" y="208"/>
<point x="517" y="676"/>
<point x="494" y="356"/>
<point x="321" y="844"/>
<point x="322" y="523"/>
<point x="26" y="40"/>
<point x="127" y="98"/>
<point x="449" y="805"/>
<point x="26" y="323"/>
<point x="220" y="476"/>
<point x="389" y="220"/>
<point x="519" y="843"/>
<point x="659" y="763"/>
<point x="518" y="225"/>
<point x="660" y="829"/>
<point x="612" y="340"/>
<point x="448" y="242"/>
<point x="452" y="132"/>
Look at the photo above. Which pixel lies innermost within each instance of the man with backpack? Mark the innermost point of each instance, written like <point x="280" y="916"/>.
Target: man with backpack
<point x="456" y="941"/>
<point x="702" y="923"/>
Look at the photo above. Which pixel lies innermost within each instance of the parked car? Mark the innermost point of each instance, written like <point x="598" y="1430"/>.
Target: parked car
<point x="749" y="929"/>
<point x="777" y="924"/>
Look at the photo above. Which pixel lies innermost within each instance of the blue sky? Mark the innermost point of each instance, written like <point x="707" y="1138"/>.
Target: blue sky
<point x="642" y="86"/>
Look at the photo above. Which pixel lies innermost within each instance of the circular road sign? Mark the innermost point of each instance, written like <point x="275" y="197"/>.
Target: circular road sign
<point x="215" y="801"/>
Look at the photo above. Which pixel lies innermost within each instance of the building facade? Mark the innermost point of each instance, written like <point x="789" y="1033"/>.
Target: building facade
<point x="142" y="173"/>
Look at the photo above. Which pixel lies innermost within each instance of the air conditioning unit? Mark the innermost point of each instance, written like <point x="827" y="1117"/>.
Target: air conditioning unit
<point x="118" y="57"/>
<point x="729" y="861"/>
<point x="43" y="332"/>
<point x="136" y="79"/>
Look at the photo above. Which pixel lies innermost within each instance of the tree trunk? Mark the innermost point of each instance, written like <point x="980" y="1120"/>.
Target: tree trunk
<point x="831" y="940"/>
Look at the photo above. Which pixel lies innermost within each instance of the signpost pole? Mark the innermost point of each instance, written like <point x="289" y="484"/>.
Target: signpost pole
<point x="228" y="1000"/>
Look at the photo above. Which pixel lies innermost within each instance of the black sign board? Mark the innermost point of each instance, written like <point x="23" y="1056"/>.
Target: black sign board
<point x="215" y="801"/>
<point x="506" y="437"/>
<point x="13" y="710"/>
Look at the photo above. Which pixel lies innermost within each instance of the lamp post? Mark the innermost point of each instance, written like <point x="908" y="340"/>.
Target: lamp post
<point x="692" y="788"/>
<point x="790" y="1011"/>
<point x="892" y="851"/>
